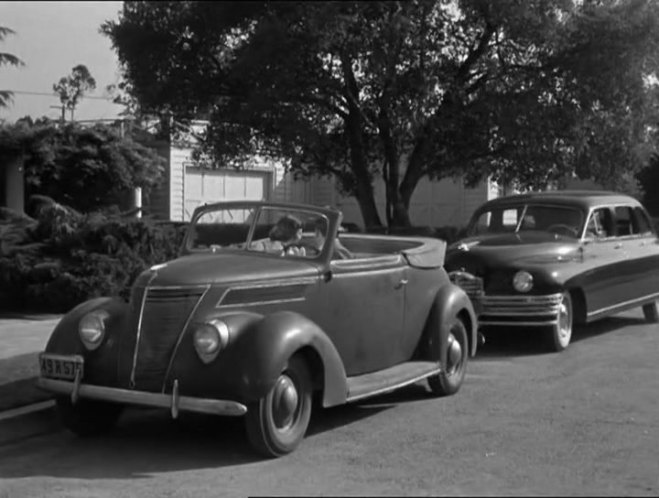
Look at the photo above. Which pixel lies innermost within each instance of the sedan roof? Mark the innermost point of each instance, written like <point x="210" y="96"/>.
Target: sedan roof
<point x="585" y="199"/>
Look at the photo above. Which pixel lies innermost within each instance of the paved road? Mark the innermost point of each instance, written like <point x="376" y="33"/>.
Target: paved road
<point x="582" y="422"/>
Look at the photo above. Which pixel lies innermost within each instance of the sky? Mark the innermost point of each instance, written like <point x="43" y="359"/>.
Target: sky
<point x="51" y="38"/>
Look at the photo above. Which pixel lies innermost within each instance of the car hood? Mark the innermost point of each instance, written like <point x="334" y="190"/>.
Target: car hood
<point x="216" y="268"/>
<point x="515" y="248"/>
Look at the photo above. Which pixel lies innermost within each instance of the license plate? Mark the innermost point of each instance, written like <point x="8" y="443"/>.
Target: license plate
<point x="60" y="366"/>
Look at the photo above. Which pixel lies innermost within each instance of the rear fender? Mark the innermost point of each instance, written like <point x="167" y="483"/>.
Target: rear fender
<point x="451" y="301"/>
<point x="266" y="346"/>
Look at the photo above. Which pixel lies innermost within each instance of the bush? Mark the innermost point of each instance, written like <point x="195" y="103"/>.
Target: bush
<point x="63" y="258"/>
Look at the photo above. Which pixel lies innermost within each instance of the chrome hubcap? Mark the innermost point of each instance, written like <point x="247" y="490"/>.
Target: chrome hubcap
<point x="564" y="323"/>
<point x="454" y="356"/>
<point x="285" y="400"/>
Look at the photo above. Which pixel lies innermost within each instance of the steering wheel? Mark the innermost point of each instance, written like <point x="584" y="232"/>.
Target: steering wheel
<point x="562" y="229"/>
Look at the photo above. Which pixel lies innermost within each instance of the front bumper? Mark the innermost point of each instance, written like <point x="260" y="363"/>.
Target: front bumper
<point x="510" y="310"/>
<point x="173" y="401"/>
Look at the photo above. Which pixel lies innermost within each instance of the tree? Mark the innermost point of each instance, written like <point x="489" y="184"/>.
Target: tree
<point x="86" y="168"/>
<point x="73" y="87"/>
<point x="648" y="177"/>
<point x="529" y="91"/>
<point x="7" y="60"/>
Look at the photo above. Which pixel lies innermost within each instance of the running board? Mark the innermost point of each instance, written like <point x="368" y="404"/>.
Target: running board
<point x="383" y="381"/>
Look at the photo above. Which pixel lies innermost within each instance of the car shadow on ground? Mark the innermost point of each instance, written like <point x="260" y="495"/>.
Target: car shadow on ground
<point x="529" y="341"/>
<point x="147" y="442"/>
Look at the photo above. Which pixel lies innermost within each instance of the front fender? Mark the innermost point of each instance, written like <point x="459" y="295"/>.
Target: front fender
<point x="100" y="364"/>
<point x="65" y="339"/>
<point x="450" y="301"/>
<point x="265" y="348"/>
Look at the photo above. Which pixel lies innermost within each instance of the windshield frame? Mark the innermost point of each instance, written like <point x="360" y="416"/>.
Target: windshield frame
<point x="333" y="217"/>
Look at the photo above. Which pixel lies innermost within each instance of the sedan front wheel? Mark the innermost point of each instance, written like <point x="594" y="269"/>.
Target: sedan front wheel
<point x="276" y="423"/>
<point x="560" y="333"/>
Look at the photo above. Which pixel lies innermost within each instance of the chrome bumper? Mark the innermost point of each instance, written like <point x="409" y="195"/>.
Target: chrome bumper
<point x="172" y="401"/>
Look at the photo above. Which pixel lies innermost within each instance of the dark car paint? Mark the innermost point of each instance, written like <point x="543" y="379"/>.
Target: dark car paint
<point x="329" y="306"/>
<point x="606" y="275"/>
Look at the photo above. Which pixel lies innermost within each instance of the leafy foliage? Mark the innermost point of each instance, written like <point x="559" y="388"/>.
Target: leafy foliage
<point x="528" y="92"/>
<point x="7" y="59"/>
<point x="62" y="257"/>
<point x="648" y="178"/>
<point x="87" y="168"/>
<point x="73" y="87"/>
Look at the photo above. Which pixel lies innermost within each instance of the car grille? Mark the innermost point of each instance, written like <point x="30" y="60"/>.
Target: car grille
<point x="471" y="284"/>
<point x="520" y="305"/>
<point x="508" y="309"/>
<point x="165" y="314"/>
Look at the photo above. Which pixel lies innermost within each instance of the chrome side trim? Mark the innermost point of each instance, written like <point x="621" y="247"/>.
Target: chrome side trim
<point x="261" y="303"/>
<point x="142" y="398"/>
<point x="308" y="281"/>
<point x="625" y="304"/>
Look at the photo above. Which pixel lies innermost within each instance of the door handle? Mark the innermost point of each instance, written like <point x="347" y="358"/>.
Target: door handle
<point x="401" y="284"/>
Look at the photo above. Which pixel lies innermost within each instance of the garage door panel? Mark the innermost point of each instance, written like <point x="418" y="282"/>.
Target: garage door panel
<point x="208" y="186"/>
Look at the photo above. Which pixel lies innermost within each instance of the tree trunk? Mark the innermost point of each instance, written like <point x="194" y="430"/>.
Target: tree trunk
<point x="358" y="161"/>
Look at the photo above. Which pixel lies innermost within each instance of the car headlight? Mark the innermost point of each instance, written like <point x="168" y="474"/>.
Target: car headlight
<point x="91" y="328"/>
<point x="210" y="338"/>
<point x="523" y="281"/>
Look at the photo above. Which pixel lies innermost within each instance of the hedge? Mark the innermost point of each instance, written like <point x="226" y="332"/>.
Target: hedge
<point x="61" y="258"/>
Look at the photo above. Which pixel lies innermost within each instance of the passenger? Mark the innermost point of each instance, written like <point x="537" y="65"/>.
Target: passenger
<point x="283" y="238"/>
<point x="320" y="233"/>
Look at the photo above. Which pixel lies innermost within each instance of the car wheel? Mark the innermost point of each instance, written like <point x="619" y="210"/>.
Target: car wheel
<point x="87" y="417"/>
<point x="449" y="380"/>
<point x="560" y="333"/>
<point x="651" y="312"/>
<point x="277" y="422"/>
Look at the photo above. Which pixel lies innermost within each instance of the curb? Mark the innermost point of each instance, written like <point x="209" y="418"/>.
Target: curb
<point x="28" y="421"/>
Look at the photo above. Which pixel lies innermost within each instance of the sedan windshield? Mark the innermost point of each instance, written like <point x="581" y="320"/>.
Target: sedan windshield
<point x="561" y="220"/>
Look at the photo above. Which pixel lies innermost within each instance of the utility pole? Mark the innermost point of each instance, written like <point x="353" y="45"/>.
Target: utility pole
<point x="63" y="109"/>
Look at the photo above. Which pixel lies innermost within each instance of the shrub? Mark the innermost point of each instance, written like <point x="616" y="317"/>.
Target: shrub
<point x="63" y="258"/>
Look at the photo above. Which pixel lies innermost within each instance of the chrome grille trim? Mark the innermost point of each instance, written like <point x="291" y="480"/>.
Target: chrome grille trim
<point x="161" y="296"/>
<point x="180" y="336"/>
<point x="520" y="305"/>
<point x="471" y="284"/>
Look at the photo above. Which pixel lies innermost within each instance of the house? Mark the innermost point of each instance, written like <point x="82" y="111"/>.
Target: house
<point x="187" y="184"/>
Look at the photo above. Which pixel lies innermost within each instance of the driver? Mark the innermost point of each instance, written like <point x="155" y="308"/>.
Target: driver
<point x="283" y="238"/>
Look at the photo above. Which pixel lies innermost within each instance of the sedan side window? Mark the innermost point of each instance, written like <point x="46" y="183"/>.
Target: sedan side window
<point x="624" y="221"/>
<point x="600" y="224"/>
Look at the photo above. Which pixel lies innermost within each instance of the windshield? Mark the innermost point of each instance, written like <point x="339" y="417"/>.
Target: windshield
<point x="270" y="230"/>
<point x="561" y="220"/>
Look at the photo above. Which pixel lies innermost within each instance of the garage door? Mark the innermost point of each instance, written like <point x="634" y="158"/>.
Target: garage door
<point x="205" y="187"/>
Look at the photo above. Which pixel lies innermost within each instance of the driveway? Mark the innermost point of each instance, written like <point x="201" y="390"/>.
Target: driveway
<point x="581" y="422"/>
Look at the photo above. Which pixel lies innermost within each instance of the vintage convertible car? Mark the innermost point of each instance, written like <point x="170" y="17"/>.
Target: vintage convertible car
<point x="553" y="259"/>
<point x="264" y="310"/>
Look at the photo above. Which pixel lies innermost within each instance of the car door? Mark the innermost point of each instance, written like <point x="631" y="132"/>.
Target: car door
<point x="603" y="254"/>
<point x="365" y="315"/>
<point x="639" y="272"/>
